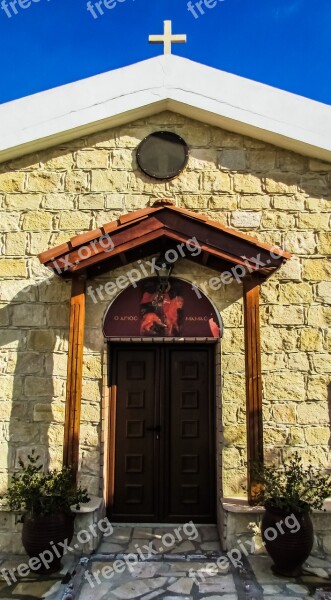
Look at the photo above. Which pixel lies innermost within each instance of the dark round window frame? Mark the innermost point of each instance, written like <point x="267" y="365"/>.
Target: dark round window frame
<point x="151" y="173"/>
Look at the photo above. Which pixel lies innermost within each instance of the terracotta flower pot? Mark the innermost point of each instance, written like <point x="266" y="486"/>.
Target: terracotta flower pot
<point x="43" y="533"/>
<point x="288" y="539"/>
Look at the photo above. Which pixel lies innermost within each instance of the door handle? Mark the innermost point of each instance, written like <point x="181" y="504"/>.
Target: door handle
<point x="156" y="429"/>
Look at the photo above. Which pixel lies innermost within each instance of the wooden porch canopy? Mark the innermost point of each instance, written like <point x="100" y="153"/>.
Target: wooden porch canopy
<point x="151" y="231"/>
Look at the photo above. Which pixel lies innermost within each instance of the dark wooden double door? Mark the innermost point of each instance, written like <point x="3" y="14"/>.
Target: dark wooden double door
<point x="163" y="468"/>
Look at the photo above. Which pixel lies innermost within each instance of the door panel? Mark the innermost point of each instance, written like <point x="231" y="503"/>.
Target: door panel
<point x="164" y="449"/>
<point x="190" y="474"/>
<point x="135" y="452"/>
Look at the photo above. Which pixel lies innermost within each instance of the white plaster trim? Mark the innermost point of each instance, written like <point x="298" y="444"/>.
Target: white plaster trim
<point x="165" y="83"/>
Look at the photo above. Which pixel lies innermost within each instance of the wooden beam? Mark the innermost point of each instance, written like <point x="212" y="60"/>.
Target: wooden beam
<point x="254" y="416"/>
<point x="74" y="375"/>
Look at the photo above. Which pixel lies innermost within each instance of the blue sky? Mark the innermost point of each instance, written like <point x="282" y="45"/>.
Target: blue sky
<point x="284" y="43"/>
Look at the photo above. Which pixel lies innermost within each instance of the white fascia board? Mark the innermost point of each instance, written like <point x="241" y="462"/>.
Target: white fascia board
<point x="165" y="83"/>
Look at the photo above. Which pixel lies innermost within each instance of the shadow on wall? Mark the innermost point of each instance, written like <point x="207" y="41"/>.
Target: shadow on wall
<point x="33" y="369"/>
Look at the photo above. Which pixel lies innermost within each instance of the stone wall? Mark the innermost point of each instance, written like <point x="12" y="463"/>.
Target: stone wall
<point x="275" y="195"/>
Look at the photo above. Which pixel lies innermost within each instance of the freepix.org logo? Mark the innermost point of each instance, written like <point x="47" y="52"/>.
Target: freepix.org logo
<point x="13" y="7"/>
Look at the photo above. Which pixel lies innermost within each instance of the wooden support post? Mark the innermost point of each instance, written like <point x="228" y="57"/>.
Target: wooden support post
<point x="74" y="375"/>
<point x="254" y="416"/>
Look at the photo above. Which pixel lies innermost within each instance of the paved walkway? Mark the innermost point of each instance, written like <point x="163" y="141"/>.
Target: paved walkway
<point x="147" y="563"/>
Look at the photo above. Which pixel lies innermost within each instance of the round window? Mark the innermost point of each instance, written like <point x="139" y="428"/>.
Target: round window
<point x="162" y="155"/>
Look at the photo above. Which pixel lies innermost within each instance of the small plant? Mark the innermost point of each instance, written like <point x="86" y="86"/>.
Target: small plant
<point x="38" y="493"/>
<point x="293" y="487"/>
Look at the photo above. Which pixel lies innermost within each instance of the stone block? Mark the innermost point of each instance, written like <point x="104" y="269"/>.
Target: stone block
<point x="254" y="202"/>
<point x="310" y="220"/>
<point x="22" y="432"/>
<point x="225" y="139"/>
<point x="122" y="159"/>
<point x="313" y="413"/>
<point x="9" y="221"/>
<point x="300" y="242"/>
<point x="51" y="434"/>
<point x="298" y="361"/>
<point x="232" y="159"/>
<point x="289" y="203"/>
<point x="319" y="316"/>
<point x="37" y="221"/>
<point x="195" y="135"/>
<point x="75" y="220"/>
<point x="284" y="413"/>
<point x="114" y="201"/>
<point x="273" y="362"/>
<point x="322" y="363"/>
<point x="275" y="437"/>
<point x="91" y="202"/>
<point x="317" y="388"/>
<point x="57" y="160"/>
<point x="189" y="181"/>
<point x="92" y="367"/>
<point x="91" y="390"/>
<point x="77" y="182"/>
<point x="235" y="435"/>
<point x="316" y="269"/>
<point x="297" y="436"/>
<point x="288" y="161"/>
<point x="230" y="413"/>
<point x="324" y="243"/>
<point x="323" y="292"/>
<point x="41" y="340"/>
<point x="317" y="436"/>
<point x="281" y="386"/>
<point x="318" y="185"/>
<point x="45" y="181"/>
<point x="247" y="184"/>
<point x="232" y="363"/>
<point x="15" y="244"/>
<point x="261" y="160"/>
<point x="287" y="315"/>
<point x="26" y="363"/>
<point x="57" y="364"/>
<point x="310" y="339"/>
<point x="109" y="181"/>
<point x="38" y="386"/>
<point x="245" y="219"/>
<point x="296" y="293"/>
<point x="12" y="267"/>
<point x="193" y="202"/>
<point x="234" y="387"/>
<point x="23" y="202"/>
<point x="59" y="201"/>
<point x="89" y="435"/>
<point x="27" y="315"/>
<point x="12" y="181"/>
<point x="233" y="340"/>
<point x="272" y="219"/>
<point x="279" y="182"/>
<point x="92" y="159"/>
<point x="90" y="412"/>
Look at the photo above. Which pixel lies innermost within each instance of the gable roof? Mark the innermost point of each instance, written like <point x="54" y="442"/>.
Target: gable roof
<point x="172" y="83"/>
<point x="156" y="229"/>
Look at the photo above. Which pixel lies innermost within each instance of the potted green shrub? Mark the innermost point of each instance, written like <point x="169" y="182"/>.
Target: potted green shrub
<point x="44" y="500"/>
<point x="289" y="494"/>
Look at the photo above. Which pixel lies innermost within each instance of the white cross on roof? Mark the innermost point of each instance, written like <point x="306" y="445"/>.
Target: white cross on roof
<point x="167" y="38"/>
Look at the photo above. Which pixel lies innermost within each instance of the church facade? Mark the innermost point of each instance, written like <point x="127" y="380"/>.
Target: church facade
<point x="249" y="218"/>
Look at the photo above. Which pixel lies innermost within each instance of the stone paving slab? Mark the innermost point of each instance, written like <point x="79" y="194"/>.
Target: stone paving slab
<point x="191" y="574"/>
